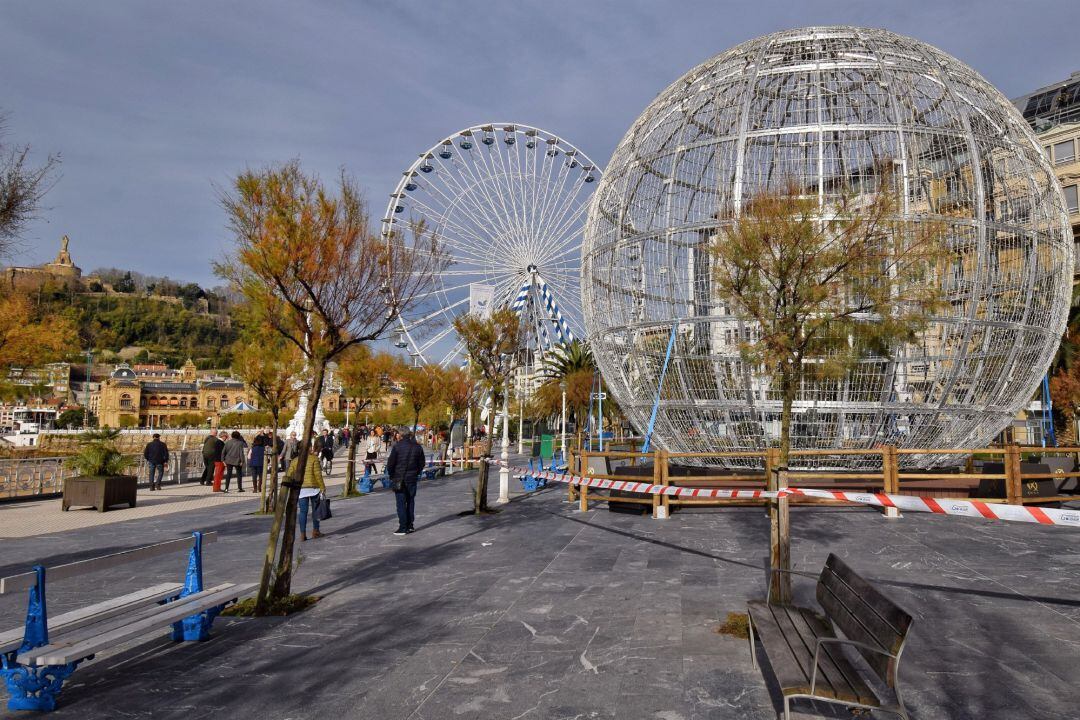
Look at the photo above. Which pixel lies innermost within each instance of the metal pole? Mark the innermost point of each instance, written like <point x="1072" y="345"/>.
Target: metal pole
<point x="521" y="418"/>
<point x="562" y="428"/>
<point x="504" y="471"/>
<point x="86" y="389"/>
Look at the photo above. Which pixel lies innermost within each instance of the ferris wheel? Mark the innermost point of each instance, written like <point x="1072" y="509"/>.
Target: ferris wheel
<point x="507" y="203"/>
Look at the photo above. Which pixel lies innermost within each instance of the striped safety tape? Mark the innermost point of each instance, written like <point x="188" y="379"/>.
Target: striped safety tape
<point x="911" y="503"/>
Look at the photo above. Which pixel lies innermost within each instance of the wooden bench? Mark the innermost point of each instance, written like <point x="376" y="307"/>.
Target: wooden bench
<point x="37" y="658"/>
<point x="807" y="654"/>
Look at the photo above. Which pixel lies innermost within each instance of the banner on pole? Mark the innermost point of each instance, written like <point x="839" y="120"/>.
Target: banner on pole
<point x="480" y="299"/>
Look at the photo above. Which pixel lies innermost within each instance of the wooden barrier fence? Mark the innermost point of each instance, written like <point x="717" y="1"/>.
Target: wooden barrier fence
<point x="889" y="478"/>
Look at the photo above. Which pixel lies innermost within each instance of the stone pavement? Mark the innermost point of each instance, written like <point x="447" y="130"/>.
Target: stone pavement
<point x="542" y="612"/>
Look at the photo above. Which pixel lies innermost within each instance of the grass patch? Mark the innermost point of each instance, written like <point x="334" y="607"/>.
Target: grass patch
<point x="285" y="606"/>
<point x="737" y="625"/>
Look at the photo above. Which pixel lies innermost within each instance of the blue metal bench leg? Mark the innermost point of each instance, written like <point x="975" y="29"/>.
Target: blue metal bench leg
<point x="195" y="627"/>
<point x="28" y="687"/>
<point x="34" y="688"/>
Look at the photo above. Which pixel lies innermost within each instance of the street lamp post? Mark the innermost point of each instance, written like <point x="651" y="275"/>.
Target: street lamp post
<point x="504" y="471"/>
<point x="521" y="415"/>
<point x="562" y="427"/>
<point x="86" y="390"/>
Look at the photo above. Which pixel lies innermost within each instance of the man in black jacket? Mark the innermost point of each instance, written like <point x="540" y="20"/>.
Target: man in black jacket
<point x="156" y="454"/>
<point x="211" y="455"/>
<point x="403" y="468"/>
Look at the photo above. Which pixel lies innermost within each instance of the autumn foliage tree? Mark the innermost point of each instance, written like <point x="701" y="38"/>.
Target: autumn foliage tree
<point x="306" y="260"/>
<point x="824" y="286"/>
<point x="274" y="369"/>
<point x="29" y="337"/>
<point x="365" y="377"/>
<point x="424" y="387"/>
<point x="492" y="344"/>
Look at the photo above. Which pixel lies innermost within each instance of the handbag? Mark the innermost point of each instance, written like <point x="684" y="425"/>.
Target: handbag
<point x="322" y="510"/>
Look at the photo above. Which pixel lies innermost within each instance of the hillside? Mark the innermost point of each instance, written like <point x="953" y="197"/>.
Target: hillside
<point x="170" y="331"/>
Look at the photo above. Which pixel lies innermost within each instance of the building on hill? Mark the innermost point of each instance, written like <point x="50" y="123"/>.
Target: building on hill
<point x="128" y="399"/>
<point x="55" y="376"/>
<point x="61" y="271"/>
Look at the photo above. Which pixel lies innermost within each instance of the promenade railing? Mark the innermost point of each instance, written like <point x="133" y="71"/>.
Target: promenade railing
<point x="44" y="476"/>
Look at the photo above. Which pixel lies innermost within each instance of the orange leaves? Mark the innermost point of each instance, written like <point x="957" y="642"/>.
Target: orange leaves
<point x="27" y="340"/>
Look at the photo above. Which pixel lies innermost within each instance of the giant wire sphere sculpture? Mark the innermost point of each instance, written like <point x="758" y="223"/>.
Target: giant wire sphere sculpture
<point x="825" y="108"/>
<point x="507" y="203"/>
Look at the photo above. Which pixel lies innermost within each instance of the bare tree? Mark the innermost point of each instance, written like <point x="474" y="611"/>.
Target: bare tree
<point x="22" y="188"/>
<point x="306" y="259"/>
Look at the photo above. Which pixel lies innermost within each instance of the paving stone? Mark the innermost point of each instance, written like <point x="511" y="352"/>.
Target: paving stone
<point x="540" y="611"/>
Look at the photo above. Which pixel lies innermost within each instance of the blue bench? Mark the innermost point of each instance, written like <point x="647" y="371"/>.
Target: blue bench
<point x="532" y="481"/>
<point x="36" y="659"/>
<point x="367" y="483"/>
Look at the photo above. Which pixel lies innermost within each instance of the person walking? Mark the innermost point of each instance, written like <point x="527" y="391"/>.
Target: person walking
<point x="219" y="464"/>
<point x="288" y="451"/>
<point x="387" y="438"/>
<point x="371" y="453"/>
<point x="211" y="454"/>
<point x="257" y="460"/>
<point x="156" y="454"/>
<point x="403" y="468"/>
<point x="233" y="455"/>
<point x="326" y="451"/>
<point x="310" y="490"/>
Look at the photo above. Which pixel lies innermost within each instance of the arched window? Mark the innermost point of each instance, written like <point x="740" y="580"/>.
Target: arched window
<point x="224" y="401"/>
<point x="194" y="403"/>
<point x="183" y="402"/>
<point x="125" y="401"/>
<point x="210" y="403"/>
<point x="174" y="402"/>
<point x="153" y="401"/>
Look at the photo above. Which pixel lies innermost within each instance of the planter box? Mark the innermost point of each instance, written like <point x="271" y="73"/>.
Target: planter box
<point x="100" y="492"/>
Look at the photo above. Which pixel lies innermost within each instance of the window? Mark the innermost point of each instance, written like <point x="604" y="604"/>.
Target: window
<point x="210" y="403"/>
<point x="224" y="401"/>
<point x="1064" y="152"/>
<point x="183" y="402"/>
<point x="1071" y="200"/>
<point x="194" y="403"/>
<point x="125" y="401"/>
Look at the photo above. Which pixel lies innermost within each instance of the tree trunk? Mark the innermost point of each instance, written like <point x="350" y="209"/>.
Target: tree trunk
<point x="779" y="529"/>
<point x="283" y="579"/>
<point x="480" y="499"/>
<point x="350" y="470"/>
<point x="272" y="494"/>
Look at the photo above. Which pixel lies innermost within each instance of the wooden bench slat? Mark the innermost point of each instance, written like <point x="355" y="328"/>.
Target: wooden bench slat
<point x="842" y="675"/>
<point x="64" y="652"/>
<point x="91" y="614"/>
<point x="25" y="581"/>
<point x="864" y="614"/>
<point x="107" y="625"/>
<point x="788" y="634"/>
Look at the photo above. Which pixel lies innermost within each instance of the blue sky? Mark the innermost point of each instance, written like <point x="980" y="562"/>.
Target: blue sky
<point x="152" y="103"/>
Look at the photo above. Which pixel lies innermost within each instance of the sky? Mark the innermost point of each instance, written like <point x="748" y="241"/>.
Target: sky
<point x="154" y="106"/>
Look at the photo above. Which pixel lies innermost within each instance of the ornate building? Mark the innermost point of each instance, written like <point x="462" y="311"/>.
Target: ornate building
<point x="150" y="399"/>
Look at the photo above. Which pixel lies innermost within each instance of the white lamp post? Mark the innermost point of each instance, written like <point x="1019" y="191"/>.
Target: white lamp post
<point x="521" y="415"/>
<point x="562" y="427"/>
<point x="504" y="471"/>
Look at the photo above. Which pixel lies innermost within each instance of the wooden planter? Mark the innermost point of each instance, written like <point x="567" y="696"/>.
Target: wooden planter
<point x="100" y="492"/>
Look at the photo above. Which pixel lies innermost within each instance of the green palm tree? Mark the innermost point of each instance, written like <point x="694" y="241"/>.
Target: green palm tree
<point x="1069" y="349"/>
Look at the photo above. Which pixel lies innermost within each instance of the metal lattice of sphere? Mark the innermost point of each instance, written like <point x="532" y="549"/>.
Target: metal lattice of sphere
<point x="827" y="107"/>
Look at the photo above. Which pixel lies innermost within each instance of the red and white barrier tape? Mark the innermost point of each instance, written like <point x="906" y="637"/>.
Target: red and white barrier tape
<point x="912" y="503"/>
